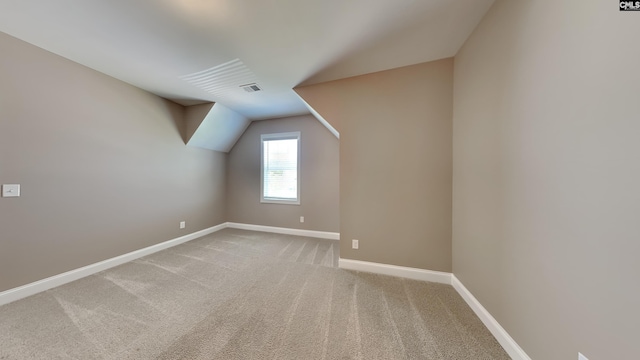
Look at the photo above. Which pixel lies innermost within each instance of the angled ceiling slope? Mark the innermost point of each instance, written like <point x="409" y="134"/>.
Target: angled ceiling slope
<point x="213" y="126"/>
<point x="197" y="51"/>
<point x="323" y="104"/>
<point x="319" y="117"/>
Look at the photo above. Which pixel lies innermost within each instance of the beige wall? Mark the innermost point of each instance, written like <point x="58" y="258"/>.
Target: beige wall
<point x="103" y="167"/>
<point x="395" y="162"/>
<point x="194" y="115"/>
<point x="319" y="182"/>
<point x="546" y="170"/>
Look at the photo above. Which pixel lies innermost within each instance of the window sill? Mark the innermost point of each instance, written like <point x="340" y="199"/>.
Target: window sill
<point x="282" y="202"/>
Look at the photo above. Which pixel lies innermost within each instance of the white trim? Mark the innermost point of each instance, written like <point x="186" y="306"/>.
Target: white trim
<point x="33" y="288"/>
<point x="295" y="135"/>
<point x="69" y="276"/>
<point x="510" y="346"/>
<point x="506" y="341"/>
<point x="320" y="118"/>
<point x="286" y="231"/>
<point x="394" y="270"/>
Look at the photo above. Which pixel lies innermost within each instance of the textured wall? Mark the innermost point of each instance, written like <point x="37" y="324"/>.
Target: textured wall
<point x="395" y="162"/>
<point x="103" y="167"/>
<point x="319" y="183"/>
<point x="546" y="172"/>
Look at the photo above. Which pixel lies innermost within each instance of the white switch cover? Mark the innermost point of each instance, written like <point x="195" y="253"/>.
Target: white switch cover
<point x="301" y="219"/>
<point x="582" y="357"/>
<point x="183" y="224"/>
<point x="355" y="244"/>
<point x="10" y="190"/>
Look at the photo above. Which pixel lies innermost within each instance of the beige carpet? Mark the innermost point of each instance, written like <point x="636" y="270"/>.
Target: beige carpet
<point x="244" y="295"/>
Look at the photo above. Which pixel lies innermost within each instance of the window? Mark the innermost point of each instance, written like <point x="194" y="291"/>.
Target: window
<point x="280" y="168"/>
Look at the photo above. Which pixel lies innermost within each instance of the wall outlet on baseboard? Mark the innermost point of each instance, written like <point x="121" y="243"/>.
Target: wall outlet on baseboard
<point x="183" y="224"/>
<point x="301" y="219"/>
<point x="355" y="244"/>
<point x="582" y="357"/>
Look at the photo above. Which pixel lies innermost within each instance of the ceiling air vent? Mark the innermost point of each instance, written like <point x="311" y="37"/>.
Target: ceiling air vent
<point x="253" y="87"/>
<point x="222" y="80"/>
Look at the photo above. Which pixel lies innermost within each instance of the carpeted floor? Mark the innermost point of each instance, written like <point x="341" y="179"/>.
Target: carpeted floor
<point x="244" y="295"/>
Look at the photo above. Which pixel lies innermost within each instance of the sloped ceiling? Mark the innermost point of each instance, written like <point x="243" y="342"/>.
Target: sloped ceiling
<point x="214" y="126"/>
<point x="164" y="46"/>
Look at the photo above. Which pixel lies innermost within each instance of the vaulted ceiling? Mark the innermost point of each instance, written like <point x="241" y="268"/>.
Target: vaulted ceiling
<point x="202" y="51"/>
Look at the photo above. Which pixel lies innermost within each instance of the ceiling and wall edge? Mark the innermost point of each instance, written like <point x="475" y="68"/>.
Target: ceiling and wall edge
<point x="319" y="117"/>
<point x="213" y="126"/>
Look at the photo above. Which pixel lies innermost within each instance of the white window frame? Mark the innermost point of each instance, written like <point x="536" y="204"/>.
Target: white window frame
<point x="279" y="136"/>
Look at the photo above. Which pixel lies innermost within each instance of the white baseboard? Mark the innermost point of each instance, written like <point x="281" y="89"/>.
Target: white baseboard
<point x="510" y="346"/>
<point x="286" y="231"/>
<point x="72" y="275"/>
<point x="69" y="276"/>
<point x="506" y="341"/>
<point x="394" y="270"/>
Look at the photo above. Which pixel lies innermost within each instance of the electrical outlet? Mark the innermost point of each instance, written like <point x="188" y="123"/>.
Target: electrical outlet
<point x="301" y="219"/>
<point x="582" y="357"/>
<point x="183" y="224"/>
<point x="355" y="244"/>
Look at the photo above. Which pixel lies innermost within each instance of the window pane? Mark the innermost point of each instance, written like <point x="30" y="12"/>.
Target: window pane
<point x="280" y="169"/>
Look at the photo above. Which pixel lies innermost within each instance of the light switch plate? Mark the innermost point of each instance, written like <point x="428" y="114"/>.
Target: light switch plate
<point x="10" y="190"/>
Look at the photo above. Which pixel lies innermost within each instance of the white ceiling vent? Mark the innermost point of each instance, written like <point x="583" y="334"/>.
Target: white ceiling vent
<point x="251" y="87"/>
<point x="224" y="79"/>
